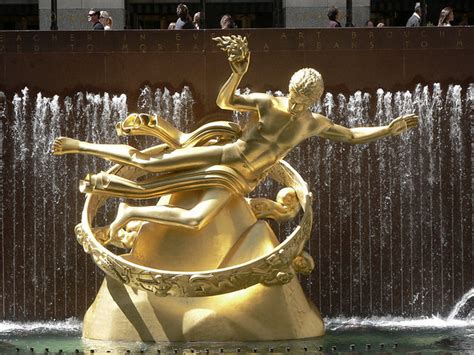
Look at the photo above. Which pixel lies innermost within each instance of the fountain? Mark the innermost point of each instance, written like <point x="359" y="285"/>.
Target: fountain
<point x="432" y="103"/>
<point x="356" y="281"/>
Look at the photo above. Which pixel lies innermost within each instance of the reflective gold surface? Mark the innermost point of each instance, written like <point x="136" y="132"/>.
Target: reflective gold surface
<point x="257" y="313"/>
<point x="168" y="260"/>
<point x="204" y="238"/>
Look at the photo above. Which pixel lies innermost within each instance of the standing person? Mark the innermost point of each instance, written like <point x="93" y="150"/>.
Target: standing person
<point x="334" y="16"/>
<point x="184" y="21"/>
<point x="415" y="19"/>
<point x="445" y="17"/>
<point x="227" y="22"/>
<point x="93" y="17"/>
<point x="106" y="20"/>
<point x="197" y="20"/>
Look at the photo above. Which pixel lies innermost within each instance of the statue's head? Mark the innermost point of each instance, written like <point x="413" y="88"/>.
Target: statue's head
<point x="306" y="87"/>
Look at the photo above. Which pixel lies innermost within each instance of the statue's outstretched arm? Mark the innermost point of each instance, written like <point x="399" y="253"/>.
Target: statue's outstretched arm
<point x="238" y="55"/>
<point x="323" y="127"/>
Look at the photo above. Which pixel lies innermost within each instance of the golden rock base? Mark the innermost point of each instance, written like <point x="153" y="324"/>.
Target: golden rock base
<point x="258" y="313"/>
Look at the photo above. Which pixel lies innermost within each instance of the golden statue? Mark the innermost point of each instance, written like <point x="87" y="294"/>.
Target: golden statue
<point x="205" y="243"/>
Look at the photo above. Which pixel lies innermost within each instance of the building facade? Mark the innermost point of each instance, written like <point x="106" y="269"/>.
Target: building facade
<point x="157" y="14"/>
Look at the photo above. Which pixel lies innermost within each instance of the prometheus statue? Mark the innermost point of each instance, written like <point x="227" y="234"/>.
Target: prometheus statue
<point x="204" y="243"/>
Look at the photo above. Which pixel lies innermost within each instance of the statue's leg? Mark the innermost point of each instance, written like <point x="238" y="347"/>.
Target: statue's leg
<point x="197" y="217"/>
<point x="180" y="159"/>
<point x="115" y="152"/>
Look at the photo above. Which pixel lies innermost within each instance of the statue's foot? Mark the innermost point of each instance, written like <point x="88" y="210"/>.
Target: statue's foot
<point x="127" y="239"/>
<point x="65" y="145"/>
<point x="121" y="219"/>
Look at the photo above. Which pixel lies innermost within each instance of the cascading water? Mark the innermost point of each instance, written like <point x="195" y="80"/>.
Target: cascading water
<point x="3" y="107"/>
<point x="389" y="217"/>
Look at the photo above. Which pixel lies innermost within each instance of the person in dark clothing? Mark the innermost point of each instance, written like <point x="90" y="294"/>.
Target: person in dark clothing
<point x="415" y="19"/>
<point x="184" y="21"/>
<point x="333" y="15"/>
<point x="93" y="17"/>
<point x="227" y="22"/>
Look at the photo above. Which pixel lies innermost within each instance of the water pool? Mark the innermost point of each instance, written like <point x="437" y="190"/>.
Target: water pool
<point x="377" y="335"/>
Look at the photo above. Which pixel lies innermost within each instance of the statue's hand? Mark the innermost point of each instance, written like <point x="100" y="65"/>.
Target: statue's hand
<point x="240" y="67"/>
<point x="237" y="51"/>
<point x="402" y="123"/>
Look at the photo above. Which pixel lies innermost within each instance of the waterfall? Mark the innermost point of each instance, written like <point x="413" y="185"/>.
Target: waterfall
<point x="2" y="233"/>
<point x="460" y="304"/>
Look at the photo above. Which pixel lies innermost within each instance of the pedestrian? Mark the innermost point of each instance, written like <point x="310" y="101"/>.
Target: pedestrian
<point x="334" y="16"/>
<point x="93" y="17"/>
<point x="227" y="22"/>
<point x="369" y="23"/>
<point x="445" y="17"/>
<point x="197" y="20"/>
<point x="106" y="20"/>
<point x="415" y="19"/>
<point x="184" y="21"/>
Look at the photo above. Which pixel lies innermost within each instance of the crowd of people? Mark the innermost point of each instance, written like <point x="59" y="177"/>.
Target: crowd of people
<point x="445" y="18"/>
<point x="101" y="20"/>
<point x="186" y="22"/>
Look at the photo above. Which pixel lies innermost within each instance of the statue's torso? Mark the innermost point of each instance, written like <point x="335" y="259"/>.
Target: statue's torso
<point x="275" y="133"/>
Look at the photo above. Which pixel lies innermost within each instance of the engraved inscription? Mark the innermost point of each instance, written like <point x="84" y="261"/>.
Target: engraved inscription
<point x="355" y="40"/>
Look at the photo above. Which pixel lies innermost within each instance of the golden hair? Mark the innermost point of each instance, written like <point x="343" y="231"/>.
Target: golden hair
<point x="307" y="82"/>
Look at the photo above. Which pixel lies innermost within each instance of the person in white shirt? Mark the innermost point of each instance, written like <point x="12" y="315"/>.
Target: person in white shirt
<point x="106" y="20"/>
